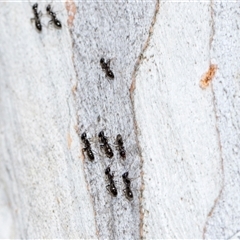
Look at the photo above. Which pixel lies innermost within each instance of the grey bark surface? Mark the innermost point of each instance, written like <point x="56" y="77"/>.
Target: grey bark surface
<point x="118" y="32"/>
<point x="43" y="190"/>
<point x="224" y="219"/>
<point x="182" y="141"/>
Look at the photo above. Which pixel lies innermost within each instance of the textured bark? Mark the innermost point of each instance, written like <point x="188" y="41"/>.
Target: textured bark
<point x="182" y="138"/>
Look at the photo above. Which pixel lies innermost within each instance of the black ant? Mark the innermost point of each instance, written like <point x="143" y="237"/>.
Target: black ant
<point x="106" y="67"/>
<point x="105" y="145"/>
<point x="37" y="16"/>
<point x="109" y="175"/>
<point x="87" y="147"/>
<point x="111" y="186"/>
<point x="54" y="19"/>
<point x="127" y="190"/>
<point x="120" y="147"/>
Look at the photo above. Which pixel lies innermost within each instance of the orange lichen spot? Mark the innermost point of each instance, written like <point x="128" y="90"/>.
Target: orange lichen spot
<point x="69" y="140"/>
<point x="208" y="76"/>
<point x="72" y="9"/>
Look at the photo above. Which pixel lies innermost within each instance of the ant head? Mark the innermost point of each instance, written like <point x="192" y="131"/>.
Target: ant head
<point x="48" y="8"/>
<point x="125" y="175"/>
<point x="102" y="60"/>
<point x="101" y="134"/>
<point x="83" y="136"/>
<point x="35" y="6"/>
<point x="119" y="139"/>
<point x="107" y="170"/>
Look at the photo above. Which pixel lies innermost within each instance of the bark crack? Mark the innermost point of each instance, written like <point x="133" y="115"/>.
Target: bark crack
<point x="132" y="88"/>
<point x="217" y="129"/>
<point x="145" y="46"/>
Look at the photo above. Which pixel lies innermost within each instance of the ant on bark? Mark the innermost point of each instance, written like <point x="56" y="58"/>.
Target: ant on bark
<point x="54" y="19"/>
<point x="105" y="145"/>
<point x="37" y="16"/>
<point x="106" y="67"/>
<point x="87" y="148"/>
<point x="111" y="186"/>
<point x="120" y="147"/>
<point x="127" y="190"/>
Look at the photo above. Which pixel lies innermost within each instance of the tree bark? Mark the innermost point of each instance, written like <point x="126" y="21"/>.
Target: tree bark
<point x="174" y="98"/>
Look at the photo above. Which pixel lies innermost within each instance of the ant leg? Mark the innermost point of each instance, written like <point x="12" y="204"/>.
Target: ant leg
<point x="110" y="163"/>
<point x="109" y="60"/>
<point x="53" y="9"/>
<point x="125" y="198"/>
<point x="59" y="10"/>
<point x="101" y="153"/>
<point x="102" y="148"/>
<point x="117" y="147"/>
<point x="107" y="187"/>
<point x="84" y="150"/>
<point x="133" y="178"/>
<point x="50" y="23"/>
<point x="106" y="76"/>
<point x="108" y="63"/>
<point x="94" y="151"/>
<point x="93" y="139"/>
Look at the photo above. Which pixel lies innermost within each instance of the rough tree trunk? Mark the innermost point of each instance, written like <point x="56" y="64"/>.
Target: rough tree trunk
<point x="181" y="134"/>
